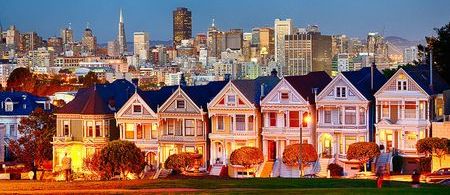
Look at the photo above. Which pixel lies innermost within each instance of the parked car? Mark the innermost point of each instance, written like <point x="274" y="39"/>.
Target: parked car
<point x="437" y="176"/>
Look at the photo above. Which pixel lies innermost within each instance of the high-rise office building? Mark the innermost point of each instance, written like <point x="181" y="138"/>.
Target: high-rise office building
<point x="215" y="41"/>
<point x="321" y="52"/>
<point x="67" y="35"/>
<point x="410" y="55"/>
<point x="282" y="28"/>
<point x="113" y="48"/>
<point x="182" y="25"/>
<point x="298" y="54"/>
<point x="141" y="45"/>
<point x="121" y="38"/>
<point x="56" y="43"/>
<point x="233" y="39"/>
<point x="266" y="43"/>
<point x="88" y="42"/>
<point x="255" y="37"/>
<point x="339" y="44"/>
<point x="29" y="41"/>
<point x="12" y="37"/>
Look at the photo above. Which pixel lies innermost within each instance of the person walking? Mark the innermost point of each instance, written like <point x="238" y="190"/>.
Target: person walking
<point x="67" y="167"/>
<point x="380" y="174"/>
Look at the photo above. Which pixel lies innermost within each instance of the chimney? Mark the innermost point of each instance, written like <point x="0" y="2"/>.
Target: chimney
<point x="182" y="80"/>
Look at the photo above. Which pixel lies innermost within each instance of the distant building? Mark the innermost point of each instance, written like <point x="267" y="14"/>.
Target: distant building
<point x="215" y="41"/>
<point x="29" y="41"/>
<point x="12" y="37"/>
<point x="266" y="44"/>
<point x="173" y="78"/>
<point x="282" y="28"/>
<point x="121" y="37"/>
<point x="182" y="25"/>
<point x="56" y="43"/>
<point x="88" y="42"/>
<point x="113" y="48"/>
<point x="410" y="55"/>
<point x="67" y="35"/>
<point x="233" y="39"/>
<point x="141" y="45"/>
<point x="6" y="67"/>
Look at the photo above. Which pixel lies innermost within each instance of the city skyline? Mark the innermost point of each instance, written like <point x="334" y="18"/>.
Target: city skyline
<point x="103" y="17"/>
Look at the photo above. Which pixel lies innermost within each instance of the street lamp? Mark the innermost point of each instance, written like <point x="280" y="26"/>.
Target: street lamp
<point x="306" y="119"/>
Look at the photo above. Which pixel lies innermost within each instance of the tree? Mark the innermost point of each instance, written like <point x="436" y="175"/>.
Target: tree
<point x="433" y="146"/>
<point x="247" y="157"/>
<point x="291" y="155"/>
<point x="122" y="157"/>
<point x="21" y="79"/>
<point x="180" y="162"/>
<point x="90" y="79"/>
<point x="34" y="144"/>
<point x="363" y="152"/>
<point x="440" y="45"/>
<point x="388" y="73"/>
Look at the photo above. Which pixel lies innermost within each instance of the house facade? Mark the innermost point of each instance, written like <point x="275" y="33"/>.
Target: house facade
<point x="344" y="110"/>
<point x="14" y="107"/>
<point x="405" y="110"/>
<point x="86" y="124"/>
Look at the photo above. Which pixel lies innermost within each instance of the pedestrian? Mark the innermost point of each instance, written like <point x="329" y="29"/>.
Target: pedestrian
<point x="67" y="167"/>
<point x="380" y="173"/>
<point x="415" y="179"/>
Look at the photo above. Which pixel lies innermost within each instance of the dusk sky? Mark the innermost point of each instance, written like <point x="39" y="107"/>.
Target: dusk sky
<point x="410" y="19"/>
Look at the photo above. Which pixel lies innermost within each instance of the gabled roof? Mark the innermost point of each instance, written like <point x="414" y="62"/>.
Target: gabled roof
<point x="97" y="99"/>
<point x="23" y="103"/>
<point x="421" y="75"/>
<point x="361" y="81"/>
<point x="305" y="84"/>
<point x="251" y="89"/>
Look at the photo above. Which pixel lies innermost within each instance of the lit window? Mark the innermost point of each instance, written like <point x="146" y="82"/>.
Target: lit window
<point x="189" y="127"/>
<point x="66" y="131"/>
<point x="137" y="108"/>
<point x="341" y="92"/>
<point x="154" y="130"/>
<point x="139" y="131"/>
<point x="220" y="123"/>
<point x="294" y="120"/>
<point x="180" y="103"/>
<point x="129" y="131"/>
<point x="8" y="105"/>
<point x="231" y="100"/>
<point x="97" y="129"/>
<point x="284" y="96"/>
<point x="250" y="123"/>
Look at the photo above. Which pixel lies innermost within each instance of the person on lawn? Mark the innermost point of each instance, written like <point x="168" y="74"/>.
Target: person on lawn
<point x="380" y="174"/>
<point x="67" y="166"/>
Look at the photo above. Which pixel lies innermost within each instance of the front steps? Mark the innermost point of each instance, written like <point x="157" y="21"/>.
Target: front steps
<point x="267" y="169"/>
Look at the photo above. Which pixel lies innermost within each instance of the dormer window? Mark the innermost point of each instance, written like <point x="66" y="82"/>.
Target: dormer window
<point x="341" y="92"/>
<point x="402" y="85"/>
<point x="231" y="100"/>
<point x="9" y="105"/>
<point x="180" y="104"/>
<point x="137" y="108"/>
<point x="284" y="96"/>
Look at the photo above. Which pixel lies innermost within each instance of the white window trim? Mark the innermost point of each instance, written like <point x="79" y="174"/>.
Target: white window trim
<point x="68" y="124"/>
<point x="228" y="102"/>
<point x="336" y="90"/>
<point x="404" y="83"/>
<point x="137" y="104"/>
<point x="179" y="100"/>
<point x="223" y="123"/>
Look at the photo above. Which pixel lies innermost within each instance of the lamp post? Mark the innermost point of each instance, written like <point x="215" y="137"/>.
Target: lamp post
<point x="306" y="120"/>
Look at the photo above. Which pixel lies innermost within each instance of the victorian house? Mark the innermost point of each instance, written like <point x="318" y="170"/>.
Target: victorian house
<point x="284" y="111"/>
<point x="183" y="120"/>
<point x="14" y="107"/>
<point x="235" y="116"/>
<point x="405" y="107"/>
<point x="86" y="124"/>
<point x="344" y="110"/>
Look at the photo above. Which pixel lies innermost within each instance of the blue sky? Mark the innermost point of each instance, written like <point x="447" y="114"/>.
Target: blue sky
<point x="411" y="19"/>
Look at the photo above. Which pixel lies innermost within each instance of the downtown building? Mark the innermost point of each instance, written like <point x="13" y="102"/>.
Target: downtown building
<point x="182" y="25"/>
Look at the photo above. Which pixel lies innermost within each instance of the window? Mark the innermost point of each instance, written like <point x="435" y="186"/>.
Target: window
<point x="137" y="108"/>
<point x="139" y="133"/>
<point x="189" y="127"/>
<point x="90" y="130"/>
<point x="146" y="131"/>
<point x="180" y="103"/>
<point x="349" y="140"/>
<point x="385" y="111"/>
<point x="129" y="131"/>
<point x="178" y="130"/>
<point x="341" y="92"/>
<point x="272" y="119"/>
<point x="189" y="149"/>
<point x="304" y="122"/>
<point x="250" y="123"/>
<point x="410" y="109"/>
<point x="170" y="126"/>
<point x="106" y="128"/>
<point x="327" y="116"/>
<point x="362" y="116"/>
<point x="240" y="122"/>
<point x="98" y="129"/>
<point x="350" y="115"/>
<point x="12" y="130"/>
<point x="284" y="96"/>
<point x="8" y="105"/>
<point x="362" y="138"/>
<point x="231" y="100"/>
<point x="294" y="119"/>
<point x="220" y="123"/>
<point x="199" y="128"/>
<point x="66" y="128"/>
<point x="154" y="130"/>
<point x="402" y="85"/>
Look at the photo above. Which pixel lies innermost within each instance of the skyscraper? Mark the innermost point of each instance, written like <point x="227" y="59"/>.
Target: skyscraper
<point x="88" y="42"/>
<point x="67" y="35"/>
<point x="266" y="43"/>
<point x="141" y="44"/>
<point x="121" y="35"/>
<point x="182" y="25"/>
<point x="215" y="41"/>
<point x="12" y="37"/>
<point x="282" y="28"/>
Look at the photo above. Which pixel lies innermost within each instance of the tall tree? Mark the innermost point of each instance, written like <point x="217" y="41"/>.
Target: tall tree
<point x="34" y="147"/>
<point x="90" y="79"/>
<point x="440" y="46"/>
<point x="21" y="79"/>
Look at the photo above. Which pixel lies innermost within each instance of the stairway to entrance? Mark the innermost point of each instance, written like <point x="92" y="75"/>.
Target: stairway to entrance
<point x="323" y="172"/>
<point x="216" y="170"/>
<point x="382" y="161"/>
<point x="267" y="169"/>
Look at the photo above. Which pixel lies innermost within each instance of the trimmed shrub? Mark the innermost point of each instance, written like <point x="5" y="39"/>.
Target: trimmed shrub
<point x="291" y="154"/>
<point x="363" y="152"/>
<point x="335" y="170"/>
<point x="247" y="157"/>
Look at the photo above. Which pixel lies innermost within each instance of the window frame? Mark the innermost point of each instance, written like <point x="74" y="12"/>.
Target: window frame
<point x="191" y="128"/>
<point x="341" y="92"/>
<point x="272" y="118"/>
<point x="178" y="105"/>
<point x="220" y="123"/>
<point x="134" y="110"/>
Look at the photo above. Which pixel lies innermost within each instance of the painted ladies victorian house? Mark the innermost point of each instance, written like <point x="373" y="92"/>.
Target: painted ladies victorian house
<point x="235" y="116"/>
<point x="344" y="108"/>
<point x="183" y="120"/>
<point x="283" y="111"/>
<point x="405" y="108"/>
<point x="86" y="124"/>
<point x="15" y="106"/>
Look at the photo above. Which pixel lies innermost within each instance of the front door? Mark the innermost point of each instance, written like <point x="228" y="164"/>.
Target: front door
<point x="272" y="149"/>
<point x="389" y="138"/>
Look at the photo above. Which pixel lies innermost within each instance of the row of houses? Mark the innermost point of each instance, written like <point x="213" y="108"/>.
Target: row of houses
<point x="267" y="112"/>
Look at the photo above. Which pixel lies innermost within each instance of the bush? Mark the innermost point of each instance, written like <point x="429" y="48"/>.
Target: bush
<point x="291" y="154"/>
<point x="179" y="162"/>
<point x="397" y="163"/>
<point x="363" y="152"/>
<point x="247" y="157"/>
<point x="335" y="170"/>
<point x="425" y="164"/>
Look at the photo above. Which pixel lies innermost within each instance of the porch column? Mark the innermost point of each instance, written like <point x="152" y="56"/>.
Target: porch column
<point x="120" y="131"/>
<point x="403" y="109"/>
<point x="282" y="146"/>
<point x="234" y="122"/>
<point x="135" y="131"/>
<point x="246" y="123"/>
<point x="333" y="144"/>
<point x="417" y="109"/>
<point x="265" y="150"/>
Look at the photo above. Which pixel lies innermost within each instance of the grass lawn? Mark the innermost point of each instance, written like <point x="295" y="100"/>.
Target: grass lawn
<point x="224" y="186"/>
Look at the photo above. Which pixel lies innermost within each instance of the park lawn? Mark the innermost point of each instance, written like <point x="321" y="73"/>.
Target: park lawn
<point x="227" y="185"/>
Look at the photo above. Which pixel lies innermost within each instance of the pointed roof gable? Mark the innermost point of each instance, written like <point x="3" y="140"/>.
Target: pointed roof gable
<point x="361" y="80"/>
<point x="251" y="89"/>
<point x="305" y="84"/>
<point x="421" y="75"/>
